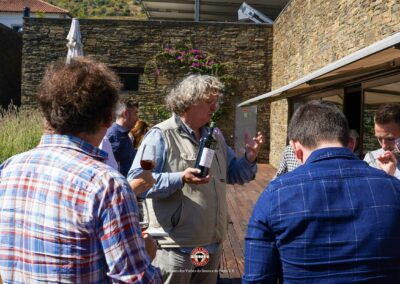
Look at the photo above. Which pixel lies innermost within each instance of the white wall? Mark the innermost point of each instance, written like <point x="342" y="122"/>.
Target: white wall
<point x="15" y="19"/>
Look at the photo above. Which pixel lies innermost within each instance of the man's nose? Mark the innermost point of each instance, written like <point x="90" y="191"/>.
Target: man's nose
<point x="387" y="145"/>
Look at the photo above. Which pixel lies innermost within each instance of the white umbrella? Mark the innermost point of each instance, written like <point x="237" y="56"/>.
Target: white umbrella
<point x="74" y="41"/>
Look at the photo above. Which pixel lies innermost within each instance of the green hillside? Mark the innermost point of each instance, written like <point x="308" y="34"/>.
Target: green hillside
<point x="101" y="8"/>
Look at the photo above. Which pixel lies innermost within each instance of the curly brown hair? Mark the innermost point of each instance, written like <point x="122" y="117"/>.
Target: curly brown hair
<point x="78" y="97"/>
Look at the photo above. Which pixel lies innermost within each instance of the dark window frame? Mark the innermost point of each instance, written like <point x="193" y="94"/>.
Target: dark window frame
<point x="130" y="77"/>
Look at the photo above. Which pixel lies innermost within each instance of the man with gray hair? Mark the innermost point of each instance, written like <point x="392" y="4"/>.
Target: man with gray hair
<point x="192" y="210"/>
<point x="118" y="134"/>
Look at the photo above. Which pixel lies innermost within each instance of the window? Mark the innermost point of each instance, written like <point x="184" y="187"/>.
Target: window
<point x="129" y="77"/>
<point x="359" y="102"/>
<point x="377" y="92"/>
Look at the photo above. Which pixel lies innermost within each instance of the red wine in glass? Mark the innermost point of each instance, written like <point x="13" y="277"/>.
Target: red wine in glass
<point x="148" y="158"/>
<point x="147" y="165"/>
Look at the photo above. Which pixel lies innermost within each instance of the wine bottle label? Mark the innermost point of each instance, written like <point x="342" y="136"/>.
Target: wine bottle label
<point x="206" y="157"/>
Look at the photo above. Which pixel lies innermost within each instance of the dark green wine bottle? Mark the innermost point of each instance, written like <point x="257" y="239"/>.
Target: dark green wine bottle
<point x="206" y="152"/>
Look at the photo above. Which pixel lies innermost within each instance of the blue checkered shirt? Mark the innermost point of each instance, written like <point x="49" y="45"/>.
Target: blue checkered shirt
<point x="66" y="217"/>
<point x="333" y="220"/>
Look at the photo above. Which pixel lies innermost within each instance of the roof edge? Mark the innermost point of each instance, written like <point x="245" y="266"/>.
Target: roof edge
<point x="47" y="3"/>
<point x="364" y="52"/>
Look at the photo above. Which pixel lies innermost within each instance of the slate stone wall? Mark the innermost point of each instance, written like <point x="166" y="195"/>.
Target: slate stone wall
<point x="125" y="43"/>
<point x="310" y="34"/>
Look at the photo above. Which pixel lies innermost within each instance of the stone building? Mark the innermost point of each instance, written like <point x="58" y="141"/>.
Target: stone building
<point x="342" y="51"/>
<point x="13" y="11"/>
<point x="127" y="46"/>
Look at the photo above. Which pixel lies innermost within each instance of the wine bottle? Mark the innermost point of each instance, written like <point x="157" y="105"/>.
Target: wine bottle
<point x="206" y="152"/>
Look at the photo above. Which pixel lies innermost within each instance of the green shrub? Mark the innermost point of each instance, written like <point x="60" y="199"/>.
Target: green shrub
<point x="20" y="130"/>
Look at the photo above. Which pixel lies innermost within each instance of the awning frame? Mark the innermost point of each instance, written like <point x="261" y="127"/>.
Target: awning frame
<point x="391" y="41"/>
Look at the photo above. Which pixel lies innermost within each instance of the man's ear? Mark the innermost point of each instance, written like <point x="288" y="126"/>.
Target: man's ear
<point x="126" y="113"/>
<point x="352" y="143"/>
<point x="298" y="150"/>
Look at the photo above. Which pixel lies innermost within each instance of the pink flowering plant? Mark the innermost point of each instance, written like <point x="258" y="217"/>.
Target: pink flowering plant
<point x="176" y="62"/>
<point x="191" y="60"/>
<point x="173" y="63"/>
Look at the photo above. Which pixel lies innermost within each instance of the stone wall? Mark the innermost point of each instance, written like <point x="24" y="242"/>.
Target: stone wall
<point x="10" y="62"/>
<point x="123" y="43"/>
<point x="310" y="34"/>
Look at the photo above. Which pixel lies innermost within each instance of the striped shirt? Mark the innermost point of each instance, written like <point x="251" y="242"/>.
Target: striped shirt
<point x="67" y="217"/>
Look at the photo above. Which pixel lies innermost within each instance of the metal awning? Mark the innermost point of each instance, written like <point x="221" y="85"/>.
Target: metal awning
<point x="379" y="56"/>
<point x="209" y="10"/>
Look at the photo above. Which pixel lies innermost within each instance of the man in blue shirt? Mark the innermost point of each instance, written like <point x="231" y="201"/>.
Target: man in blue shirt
<point x="333" y="220"/>
<point x="122" y="147"/>
<point x="192" y="210"/>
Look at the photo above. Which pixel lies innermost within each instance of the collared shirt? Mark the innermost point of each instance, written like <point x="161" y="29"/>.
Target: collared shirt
<point x="122" y="147"/>
<point x="65" y="216"/>
<point x="332" y="220"/>
<point x="371" y="159"/>
<point x="239" y="170"/>
<point x="105" y="145"/>
<point x="288" y="161"/>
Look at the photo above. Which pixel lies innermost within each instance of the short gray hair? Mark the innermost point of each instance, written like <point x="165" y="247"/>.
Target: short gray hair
<point x="191" y="90"/>
<point x="353" y="133"/>
<point x="123" y="104"/>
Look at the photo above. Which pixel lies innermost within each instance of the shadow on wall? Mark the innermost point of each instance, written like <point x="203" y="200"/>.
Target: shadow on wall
<point x="10" y="62"/>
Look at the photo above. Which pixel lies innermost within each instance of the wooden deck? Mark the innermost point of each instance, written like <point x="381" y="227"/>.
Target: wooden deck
<point x="241" y="199"/>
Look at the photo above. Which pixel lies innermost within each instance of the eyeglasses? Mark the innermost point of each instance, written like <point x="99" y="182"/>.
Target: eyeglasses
<point x="388" y="139"/>
<point x="211" y="101"/>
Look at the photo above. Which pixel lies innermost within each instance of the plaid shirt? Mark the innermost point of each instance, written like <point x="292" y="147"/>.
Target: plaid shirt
<point x="65" y="216"/>
<point x="333" y="220"/>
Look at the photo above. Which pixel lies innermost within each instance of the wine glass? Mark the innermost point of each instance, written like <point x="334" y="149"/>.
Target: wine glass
<point x="143" y="215"/>
<point x="148" y="157"/>
<point x="396" y="151"/>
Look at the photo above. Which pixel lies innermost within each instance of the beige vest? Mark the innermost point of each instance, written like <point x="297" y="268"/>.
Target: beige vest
<point x="196" y="215"/>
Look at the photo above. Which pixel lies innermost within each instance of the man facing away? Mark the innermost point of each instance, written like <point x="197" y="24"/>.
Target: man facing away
<point x="192" y="210"/>
<point x="387" y="130"/>
<point x="332" y="220"/>
<point x="65" y="216"/>
<point x="289" y="161"/>
<point x="118" y="134"/>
